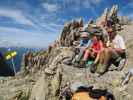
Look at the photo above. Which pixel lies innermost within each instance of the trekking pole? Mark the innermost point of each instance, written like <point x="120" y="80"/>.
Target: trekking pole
<point x="13" y="65"/>
<point x="86" y="73"/>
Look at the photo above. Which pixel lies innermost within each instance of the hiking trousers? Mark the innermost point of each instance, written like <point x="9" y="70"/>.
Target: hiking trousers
<point x="80" y="55"/>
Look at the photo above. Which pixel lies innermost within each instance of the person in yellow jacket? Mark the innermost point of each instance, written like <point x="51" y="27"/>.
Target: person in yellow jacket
<point x="9" y="55"/>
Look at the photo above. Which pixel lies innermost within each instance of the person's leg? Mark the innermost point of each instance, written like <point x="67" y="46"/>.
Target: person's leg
<point x="118" y="61"/>
<point x="82" y="50"/>
<point x="97" y="58"/>
<point x="107" y="56"/>
<point x="122" y="54"/>
<point x="86" y="55"/>
<point x="101" y="57"/>
<point x="115" y="55"/>
<point x="104" y="58"/>
<point x="94" y="64"/>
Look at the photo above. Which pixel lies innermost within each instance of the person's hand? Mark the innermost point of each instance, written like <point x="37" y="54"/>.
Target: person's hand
<point x="92" y="54"/>
<point x="90" y="49"/>
<point x="107" y="43"/>
<point x="111" y="45"/>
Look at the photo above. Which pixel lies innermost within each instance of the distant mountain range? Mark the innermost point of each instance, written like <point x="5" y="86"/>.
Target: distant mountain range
<point x="6" y="66"/>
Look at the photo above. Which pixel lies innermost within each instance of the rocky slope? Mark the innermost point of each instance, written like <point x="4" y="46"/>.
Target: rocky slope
<point x="44" y="73"/>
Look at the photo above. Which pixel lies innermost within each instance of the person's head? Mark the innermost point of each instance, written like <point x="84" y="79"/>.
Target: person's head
<point x="97" y="36"/>
<point x="109" y="23"/>
<point x="84" y="35"/>
<point x="94" y="38"/>
<point x="111" y="32"/>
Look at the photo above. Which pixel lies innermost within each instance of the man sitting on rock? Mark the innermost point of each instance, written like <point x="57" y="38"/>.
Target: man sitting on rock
<point x="114" y="53"/>
<point x="117" y="47"/>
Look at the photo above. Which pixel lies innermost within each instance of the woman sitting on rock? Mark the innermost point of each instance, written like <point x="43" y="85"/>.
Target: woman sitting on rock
<point x="94" y="50"/>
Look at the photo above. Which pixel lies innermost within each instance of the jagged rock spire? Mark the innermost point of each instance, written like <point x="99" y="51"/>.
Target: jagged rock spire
<point x="70" y="32"/>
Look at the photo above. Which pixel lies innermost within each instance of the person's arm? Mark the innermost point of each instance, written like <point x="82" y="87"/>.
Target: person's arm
<point x="81" y="44"/>
<point x="119" y="50"/>
<point x="122" y="45"/>
<point x="89" y="44"/>
<point x="100" y="48"/>
<point x="112" y="45"/>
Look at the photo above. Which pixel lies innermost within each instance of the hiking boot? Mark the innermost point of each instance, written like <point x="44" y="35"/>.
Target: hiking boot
<point x="121" y="65"/>
<point x="101" y="69"/>
<point x="82" y="64"/>
<point x="76" y="64"/>
<point x="93" y="68"/>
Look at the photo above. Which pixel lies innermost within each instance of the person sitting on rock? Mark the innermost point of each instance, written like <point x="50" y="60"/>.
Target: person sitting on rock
<point x="117" y="46"/>
<point x="94" y="50"/>
<point x="84" y="43"/>
<point x="113" y="54"/>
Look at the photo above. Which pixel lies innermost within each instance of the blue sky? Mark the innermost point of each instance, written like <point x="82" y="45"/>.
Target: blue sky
<point x="37" y="23"/>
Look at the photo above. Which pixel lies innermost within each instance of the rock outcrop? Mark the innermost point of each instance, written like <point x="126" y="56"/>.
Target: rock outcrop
<point x="70" y="32"/>
<point x="124" y="20"/>
<point x="44" y="73"/>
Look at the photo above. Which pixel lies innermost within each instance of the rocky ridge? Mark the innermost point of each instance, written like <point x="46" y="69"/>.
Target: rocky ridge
<point x="34" y="83"/>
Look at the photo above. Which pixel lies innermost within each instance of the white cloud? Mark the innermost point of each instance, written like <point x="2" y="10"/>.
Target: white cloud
<point x="83" y="3"/>
<point x="96" y="1"/>
<point x="77" y="5"/>
<point x="53" y="27"/>
<point x="12" y="31"/>
<point x="15" y="15"/>
<point x="18" y="16"/>
<point x="11" y="36"/>
<point x="56" y="25"/>
<point x="88" y="3"/>
<point x="50" y="7"/>
<point x="130" y="4"/>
